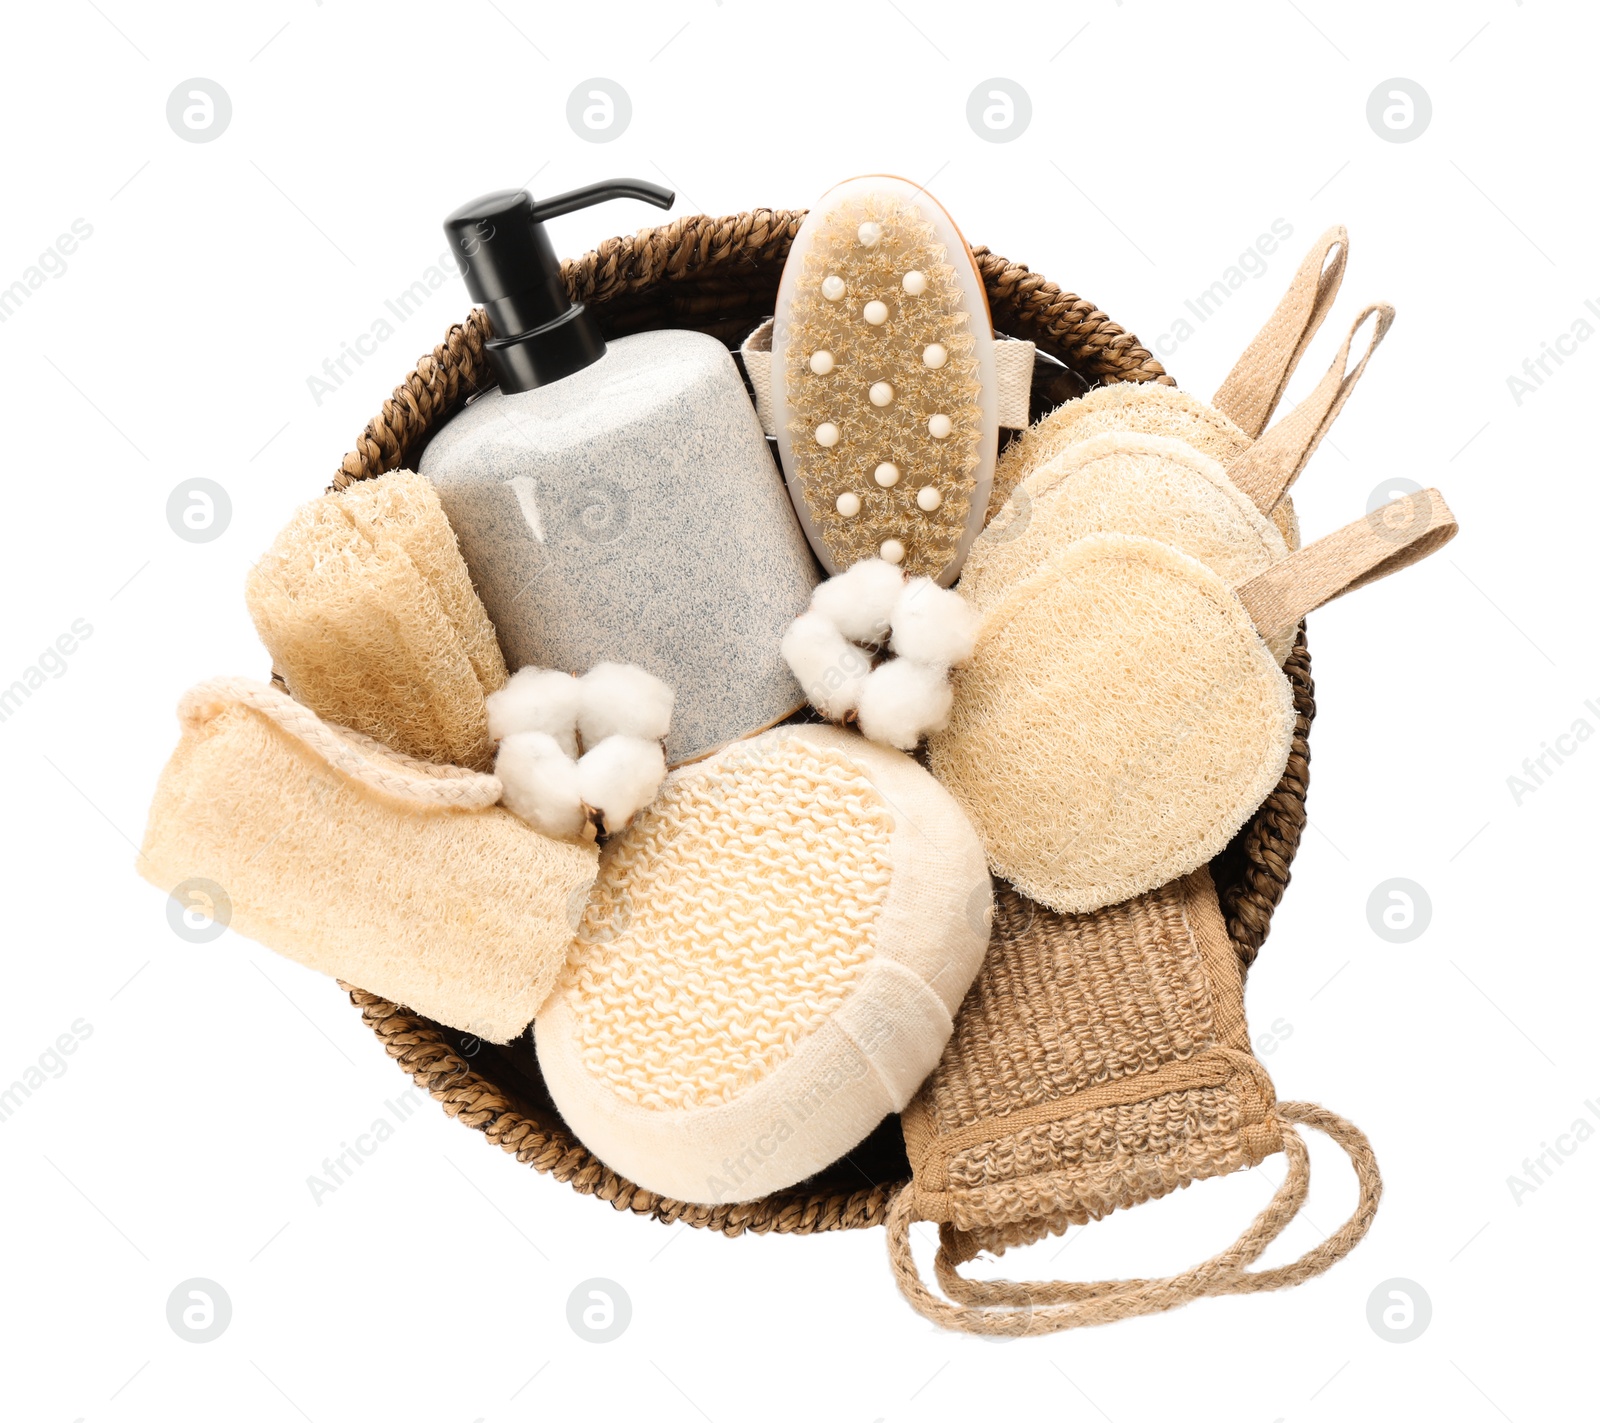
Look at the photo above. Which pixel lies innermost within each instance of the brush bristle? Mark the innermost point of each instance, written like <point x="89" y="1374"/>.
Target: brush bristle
<point x="863" y="354"/>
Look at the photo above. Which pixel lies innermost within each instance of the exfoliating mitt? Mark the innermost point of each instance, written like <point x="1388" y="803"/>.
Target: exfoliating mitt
<point x="398" y="876"/>
<point x="1100" y="1061"/>
<point x="1123" y="714"/>
<point x="366" y="606"/>
<point x="768" y="965"/>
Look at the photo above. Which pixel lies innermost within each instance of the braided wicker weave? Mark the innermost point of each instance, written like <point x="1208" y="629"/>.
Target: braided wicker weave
<point x="720" y="276"/>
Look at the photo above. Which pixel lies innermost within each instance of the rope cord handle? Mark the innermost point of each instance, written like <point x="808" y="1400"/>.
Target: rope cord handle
<point x="349" y="752"/>
<point x="1007" y="1308"/>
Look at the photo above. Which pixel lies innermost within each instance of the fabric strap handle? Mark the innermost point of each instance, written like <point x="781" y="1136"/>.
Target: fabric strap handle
<point x="1013" y="1308"/>
<point x="1388" y="539"/>
<point x="349" y="752"/>
<point x="1256" y="383"/>
<point x="1265" y="471"/>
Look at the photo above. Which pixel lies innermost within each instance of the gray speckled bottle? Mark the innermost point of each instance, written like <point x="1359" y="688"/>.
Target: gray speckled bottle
<point x="632" y="512"/>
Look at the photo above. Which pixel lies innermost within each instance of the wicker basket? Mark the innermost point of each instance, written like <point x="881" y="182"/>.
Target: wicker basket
<point x="720" y="276"/>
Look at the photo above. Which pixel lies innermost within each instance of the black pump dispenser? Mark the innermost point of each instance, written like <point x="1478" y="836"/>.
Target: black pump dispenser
<point x="540" y="334"/>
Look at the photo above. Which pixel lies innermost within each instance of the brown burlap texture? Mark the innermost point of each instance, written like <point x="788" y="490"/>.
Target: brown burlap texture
<point x="1099" y="1061"/>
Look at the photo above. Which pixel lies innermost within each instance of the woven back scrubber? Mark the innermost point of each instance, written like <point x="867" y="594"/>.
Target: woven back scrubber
<point x="1100" y="1061"/>
<point x="720" y="275"/>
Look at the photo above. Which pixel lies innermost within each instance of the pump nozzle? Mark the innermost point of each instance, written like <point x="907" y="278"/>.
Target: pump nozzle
<point x="539" y="334"/>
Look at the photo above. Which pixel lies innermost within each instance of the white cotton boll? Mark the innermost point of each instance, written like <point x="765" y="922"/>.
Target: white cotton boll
<point x="619" y="699"/>
<point x="831" y="671"/>
<point x="859" y="601"/>
<point x="540" y="783"/>
<point x="537" y="699"/>
<point x="934" y="624"/>
<point x="903" y="701"/>
<point x="620" y="776"/>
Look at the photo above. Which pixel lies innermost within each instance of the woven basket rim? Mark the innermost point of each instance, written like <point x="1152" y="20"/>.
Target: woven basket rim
<point x="716" y="274"/>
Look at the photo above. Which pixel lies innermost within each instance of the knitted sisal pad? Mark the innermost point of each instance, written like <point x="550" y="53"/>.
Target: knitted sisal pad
<point x="353" y="866"/>
<point x="768" y="965"/>
<point x="1147" y="485"/>
<point x="865" y="435"/>
<point x="1098" y="1061"/>
<point x="1119" y="722"/>
<point x="364" y="602"/>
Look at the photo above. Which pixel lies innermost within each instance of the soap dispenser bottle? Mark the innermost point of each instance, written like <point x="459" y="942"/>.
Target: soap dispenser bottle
<point x="617" y="501"/>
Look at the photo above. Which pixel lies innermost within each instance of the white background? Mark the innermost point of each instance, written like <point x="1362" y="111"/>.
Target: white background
<point x="1164" y="139"/>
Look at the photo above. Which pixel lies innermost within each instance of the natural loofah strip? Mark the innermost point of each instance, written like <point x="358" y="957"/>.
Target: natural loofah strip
<point x="365" y="604"/>
<point x="364" y="864"/>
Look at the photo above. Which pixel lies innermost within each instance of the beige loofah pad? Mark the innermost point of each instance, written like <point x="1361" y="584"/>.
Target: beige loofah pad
<point x="1123" y="716"/>
<point x="769" y="964"/>
<point x="1126" y="408"/>
<point x="1144" y="485"/>
<point x="1119" y="722"/>
<point x="396" y="875"/>
<point x="366" y="606"/>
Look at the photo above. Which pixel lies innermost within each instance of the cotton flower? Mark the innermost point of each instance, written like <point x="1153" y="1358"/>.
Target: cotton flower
<point x="928" y="628"/>
<point x="619" y="699"/>
<point x="537" y="699"/>
<point x="859" y="601"/>
<point x="620" y="776"/>
<point x="903" y="701"/>
<point x="933" y="624"/>
<point x="830" y="669"/>
<point x="540" y="783"/>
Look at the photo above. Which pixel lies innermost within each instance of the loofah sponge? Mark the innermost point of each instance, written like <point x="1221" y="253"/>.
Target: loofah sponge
<point x="365" y="605"/>
<point x="768" y="965"/>
<point x="1144" y="485"/>
<point x="1135" y="409"/>
<point x="396" y="875"/>
<point x="1123" y="715"/>
<point x="1120" y="721"/>
<point x="884" y="388"/>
